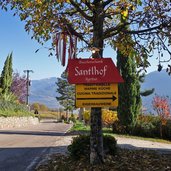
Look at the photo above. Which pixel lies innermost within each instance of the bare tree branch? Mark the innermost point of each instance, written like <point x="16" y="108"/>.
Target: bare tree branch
<point x="107" y="2"/>
<point x="87" y="17"/>
<point x="112" y="31"/>
<point x="88" y="5"/>
<point x="73" y="32"/>
<point x="163" y="25"/>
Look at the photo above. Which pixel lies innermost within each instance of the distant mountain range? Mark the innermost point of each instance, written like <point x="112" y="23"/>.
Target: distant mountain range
<point x="161" y="81"/>
<point x="44" y="90"/>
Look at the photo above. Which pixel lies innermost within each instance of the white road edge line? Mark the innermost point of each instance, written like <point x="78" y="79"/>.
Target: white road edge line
<point x="35" y="161"/>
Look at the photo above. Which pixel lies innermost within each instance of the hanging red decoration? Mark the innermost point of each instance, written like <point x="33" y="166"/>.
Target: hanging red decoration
<point x="62" y="40"/>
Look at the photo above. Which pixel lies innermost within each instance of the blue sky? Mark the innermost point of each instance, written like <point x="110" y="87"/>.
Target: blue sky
<point x="13" y="38"/>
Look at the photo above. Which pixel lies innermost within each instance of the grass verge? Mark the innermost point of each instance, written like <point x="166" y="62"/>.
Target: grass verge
<point x="80" y="128"/>
<point x="9" y="109"/>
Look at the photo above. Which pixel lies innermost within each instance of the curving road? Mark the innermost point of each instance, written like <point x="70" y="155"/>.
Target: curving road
<point x="21" y="149"/>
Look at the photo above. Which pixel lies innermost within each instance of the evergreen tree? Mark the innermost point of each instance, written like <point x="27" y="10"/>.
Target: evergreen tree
<point x="67" y="93"/>
<point x="129" y="91"/>
<point x="10" y="78"/>
<point x="6" y="75"/>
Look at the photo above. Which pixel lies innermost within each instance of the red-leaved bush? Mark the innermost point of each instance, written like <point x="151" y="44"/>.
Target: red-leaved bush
<point x="162" y="107"/>
<point x="19" y="87"/>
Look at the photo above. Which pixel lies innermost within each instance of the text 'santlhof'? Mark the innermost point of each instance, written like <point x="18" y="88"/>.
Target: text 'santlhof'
<point x="101" y="77"/>
<point x="93" y="70"/>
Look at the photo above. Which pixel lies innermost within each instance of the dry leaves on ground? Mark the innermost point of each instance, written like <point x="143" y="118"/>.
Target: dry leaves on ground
<point x="124" y="160"/>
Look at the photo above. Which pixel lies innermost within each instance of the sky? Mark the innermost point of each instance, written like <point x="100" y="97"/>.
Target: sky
<point x="13" y="38"/>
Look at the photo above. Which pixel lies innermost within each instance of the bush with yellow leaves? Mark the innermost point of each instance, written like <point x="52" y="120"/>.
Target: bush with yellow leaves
<point x="86" y="116"/>
<point x="109" y="117"/>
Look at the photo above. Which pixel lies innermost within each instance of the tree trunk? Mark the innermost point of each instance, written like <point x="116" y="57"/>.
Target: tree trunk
<point x="96" y="138"/>
<point x="161" y="130"/>
<point x="81" y="111"/>
<point x="67" y="115"/>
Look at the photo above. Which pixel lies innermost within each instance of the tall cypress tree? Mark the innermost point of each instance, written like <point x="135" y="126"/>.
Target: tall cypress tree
<point x="10" y="78"/>
<point x="129" y="91"/>
<point x="6" y="75"/>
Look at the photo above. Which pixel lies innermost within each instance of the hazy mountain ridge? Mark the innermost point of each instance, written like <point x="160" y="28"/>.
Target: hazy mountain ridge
<point x="44" y="90"/>
<point x="161" y="81"/>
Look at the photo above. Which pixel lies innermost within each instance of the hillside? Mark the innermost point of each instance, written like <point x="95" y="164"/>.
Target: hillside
<point x="44" y="91"/>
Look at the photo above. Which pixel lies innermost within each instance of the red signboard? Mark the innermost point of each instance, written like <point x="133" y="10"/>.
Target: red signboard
<point x="93" y="70"/>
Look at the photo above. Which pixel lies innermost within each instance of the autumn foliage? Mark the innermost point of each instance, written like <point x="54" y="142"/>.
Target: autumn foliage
<point x="161" y="106"/>
<point x="108" y="117"/>
<point x="18" y="87"/>
<point x="86" y="116"/>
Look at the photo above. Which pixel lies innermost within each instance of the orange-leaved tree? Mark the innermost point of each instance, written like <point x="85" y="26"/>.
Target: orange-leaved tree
<point x="162" y="107"/>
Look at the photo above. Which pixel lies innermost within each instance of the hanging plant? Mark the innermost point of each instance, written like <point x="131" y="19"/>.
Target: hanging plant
<point x="62" y="40"/>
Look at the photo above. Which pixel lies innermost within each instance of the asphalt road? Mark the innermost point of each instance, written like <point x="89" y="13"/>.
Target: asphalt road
<point x="22" y="149"/>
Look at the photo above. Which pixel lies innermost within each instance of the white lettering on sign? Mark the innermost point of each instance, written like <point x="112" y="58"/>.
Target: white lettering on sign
<point x="90" y="79"/>
<point x="91" y="71"/>
<point x="90" y="61"/>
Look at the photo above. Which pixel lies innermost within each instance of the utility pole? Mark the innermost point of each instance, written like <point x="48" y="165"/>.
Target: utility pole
<point x="28" y="84"/>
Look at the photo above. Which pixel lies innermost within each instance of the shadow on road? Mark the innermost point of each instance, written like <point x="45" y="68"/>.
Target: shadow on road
<point x="39" y="133"/>
<point x="26" y="158"/>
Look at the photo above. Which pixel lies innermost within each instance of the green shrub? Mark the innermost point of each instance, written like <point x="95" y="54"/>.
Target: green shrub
<point x="167" y="130"/>
<point x="147" y="126"/>
<point x="109" y="144"/>
<point x="81" y="146"/>
<point x="72" y="118"/>
<point x="146" y="130"/>
<point x="118" y="128"/>
<point x="8" y="108"/>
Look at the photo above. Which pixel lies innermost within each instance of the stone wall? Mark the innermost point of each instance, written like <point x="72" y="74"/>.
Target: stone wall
<point x="15" y="122"/>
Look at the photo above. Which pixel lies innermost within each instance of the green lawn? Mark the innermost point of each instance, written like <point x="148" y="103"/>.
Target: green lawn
<point x="48" y="116"/>
<point x="81" y="128"/>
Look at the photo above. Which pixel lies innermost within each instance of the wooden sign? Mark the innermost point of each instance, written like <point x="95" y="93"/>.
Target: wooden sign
<point x="97" y="95"/>
<point x="93" y="70"/>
